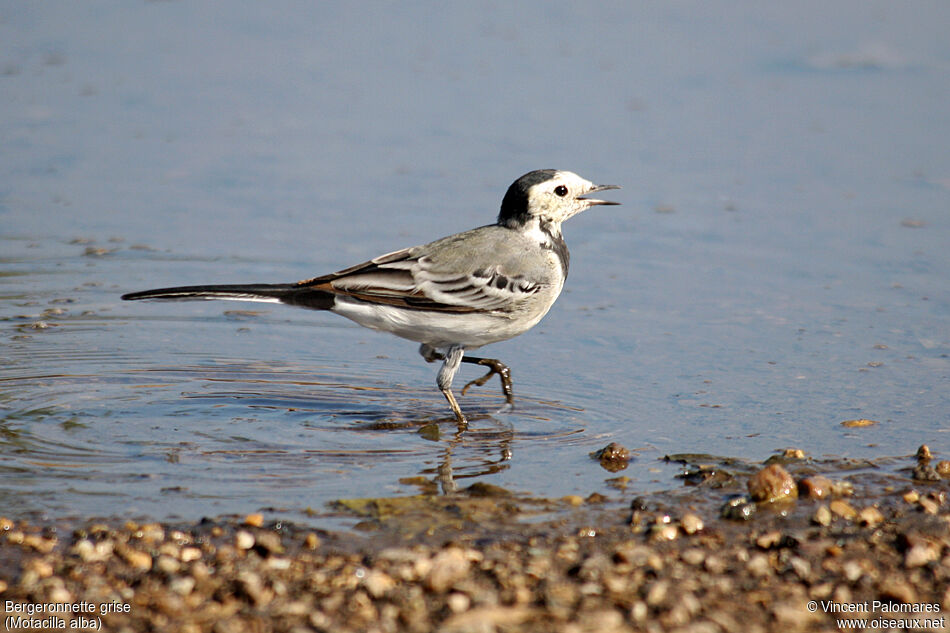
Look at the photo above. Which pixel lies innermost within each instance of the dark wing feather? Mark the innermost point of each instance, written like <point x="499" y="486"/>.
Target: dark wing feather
<point x="408" y="280"/>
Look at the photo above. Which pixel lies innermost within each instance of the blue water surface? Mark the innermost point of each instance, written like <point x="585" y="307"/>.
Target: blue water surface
<point x="780" y="263"/>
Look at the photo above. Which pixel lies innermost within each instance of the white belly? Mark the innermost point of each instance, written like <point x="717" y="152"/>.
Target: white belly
<point x="439" y="330"/>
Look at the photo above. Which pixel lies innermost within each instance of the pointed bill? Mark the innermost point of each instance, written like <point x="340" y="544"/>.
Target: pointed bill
<point x="595" y="201"/>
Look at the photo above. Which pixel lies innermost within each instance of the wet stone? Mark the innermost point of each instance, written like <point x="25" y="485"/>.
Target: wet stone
<point x="772" y="483"/>
<point x="923" y="471"/>
<point x="705" y="475"/>
<point x="269" y="543"/>
<point x="612" y="457"/>
<point x="739" y="508"/>
<point x="822" y="516"/>
<point x="814" y="487"/>
<point x="482" y="489"/>
<point x="769" y="540"/>
<point x="843" y="509"/>
<point x="870" y="516"/>
<point x="858" y="423"/>
<point x="691" y="523"/>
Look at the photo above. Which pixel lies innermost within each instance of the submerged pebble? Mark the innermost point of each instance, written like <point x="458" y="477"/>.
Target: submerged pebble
<point x="739" y="508"/>
<point x="612" y="457"/>
<point x="772" y="483"/>
<point x="814" y="487"/>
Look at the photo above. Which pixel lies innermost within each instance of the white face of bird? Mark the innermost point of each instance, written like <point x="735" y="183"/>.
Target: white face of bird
<point x="561" y="196"/>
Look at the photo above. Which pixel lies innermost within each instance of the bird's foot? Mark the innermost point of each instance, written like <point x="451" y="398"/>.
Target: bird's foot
<point x="494" y="367"/>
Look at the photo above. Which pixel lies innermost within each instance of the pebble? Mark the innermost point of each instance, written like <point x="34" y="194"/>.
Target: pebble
<point x="923" y="471"/>
<point x="254" y="520"/>
<point x="921" y="554"/>
<point x="772" y="483"/>
<point x="852" y="570"/>
<point x="664" y="532"/>
<point x="167" y="564"/>
<point x="900" y="591"/>
<point x="278" y="563"/>
<point x="715" y="564"/>
<point x="801" y="567"/>
<point x="378" y="583"/>
<point x="91" y="552"/>
<point x="822" y="516"/>
<point x="738" y="509"/>
<point x="843" y="509"/>
<point x="759" y="566"/>
<point x="814" y="487"/>
<point x="858" y="423"/>
<point x="38" y="543"/>
<point x="448" y="567"/>
<point x="693" y="556"/>
<point x="312" y="541"/>
<point x="182" y="585"/>
<point x="270" y="542"/>
<point x="842" y="488"/>
<point x="189" y="554"/>
<point x="769" y="540"/>
<point x="870" y="516"/>
<point x="691" y="523"/>
<point x="657" y="592"/>
<point x="135" y="558"/>
<point x="928" y="505"/>
<point x="244" y="540"/>
<point x="612" y="457"/>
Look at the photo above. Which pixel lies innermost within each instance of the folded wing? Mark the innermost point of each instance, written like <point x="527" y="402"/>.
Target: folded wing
<point x="406" y="279"/>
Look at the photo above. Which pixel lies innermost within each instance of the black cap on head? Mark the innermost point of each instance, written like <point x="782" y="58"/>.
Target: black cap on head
<point x="514" y="206"/>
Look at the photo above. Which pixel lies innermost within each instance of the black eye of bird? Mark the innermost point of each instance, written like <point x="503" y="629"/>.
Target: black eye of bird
<point x="560" y="190"/>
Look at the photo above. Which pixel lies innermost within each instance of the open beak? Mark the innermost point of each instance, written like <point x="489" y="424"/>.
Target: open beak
<point x="592" y="201"/>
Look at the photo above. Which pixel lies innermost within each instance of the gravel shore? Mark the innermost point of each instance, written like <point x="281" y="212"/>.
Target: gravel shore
<point x="729" y="551"/>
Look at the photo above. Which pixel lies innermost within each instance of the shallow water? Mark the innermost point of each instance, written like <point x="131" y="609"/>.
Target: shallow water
<point x="780" y="263"/>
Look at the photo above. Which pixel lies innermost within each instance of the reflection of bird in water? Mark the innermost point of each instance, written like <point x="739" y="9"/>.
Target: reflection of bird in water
<point x="445" y="474"/>
<point x="454" y="294"/>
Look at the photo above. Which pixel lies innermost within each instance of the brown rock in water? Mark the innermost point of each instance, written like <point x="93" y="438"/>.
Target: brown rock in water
<point x="612" y="457"/>
<point x="923" y="471"/>
<point x="851" y="424"/>
<point x="772" y="483"/>
<point x="814" y="487"/>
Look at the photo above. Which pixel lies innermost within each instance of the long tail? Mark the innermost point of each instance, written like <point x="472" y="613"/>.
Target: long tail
<point x="292" y="294"/>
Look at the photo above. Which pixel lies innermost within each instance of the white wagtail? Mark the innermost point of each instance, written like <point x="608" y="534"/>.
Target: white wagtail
<point x="454" y="294"/>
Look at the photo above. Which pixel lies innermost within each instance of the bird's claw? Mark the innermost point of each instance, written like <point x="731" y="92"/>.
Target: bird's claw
<point x="478" y="382"/>
<point x="504" y="374"/>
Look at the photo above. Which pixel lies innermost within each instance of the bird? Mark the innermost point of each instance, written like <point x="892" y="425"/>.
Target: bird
<point x="452" y="295"/>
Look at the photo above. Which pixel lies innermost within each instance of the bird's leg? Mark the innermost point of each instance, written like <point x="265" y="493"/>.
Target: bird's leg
<point x="451" y="360"/>
<point x="494" y="367"/>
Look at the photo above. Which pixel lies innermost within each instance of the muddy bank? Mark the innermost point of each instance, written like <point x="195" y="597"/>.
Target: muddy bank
<point x="734" y="548"/>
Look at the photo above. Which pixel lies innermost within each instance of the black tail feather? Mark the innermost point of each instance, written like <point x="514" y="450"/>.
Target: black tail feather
<point x="292" y="294"/>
